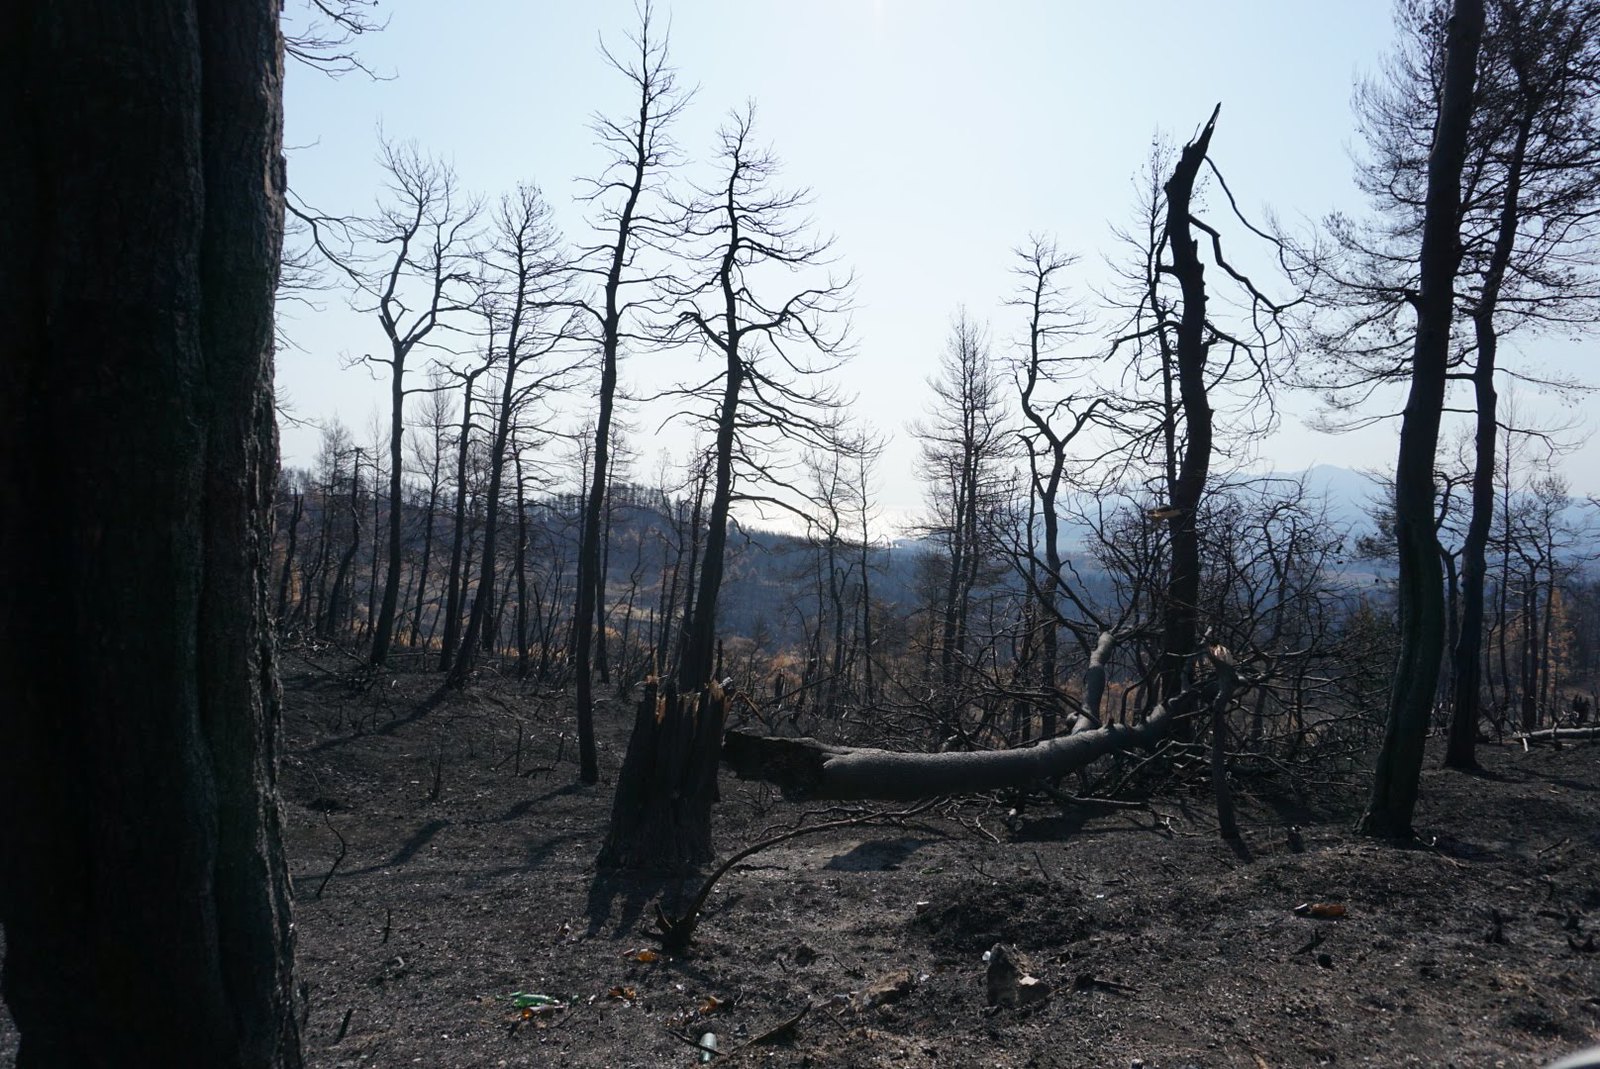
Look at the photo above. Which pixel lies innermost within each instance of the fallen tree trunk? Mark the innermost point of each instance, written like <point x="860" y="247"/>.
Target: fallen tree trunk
<point x="807" y="768"/>
<point x="1560" y="735"/>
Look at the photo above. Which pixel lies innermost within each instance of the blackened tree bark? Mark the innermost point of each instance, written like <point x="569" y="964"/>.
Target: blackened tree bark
<point x="767" y="384"/>
<point x="140" y="227"/>
<point x="1186" y="482"/>
<point x="1535" y="130"/>
<point x="964" y="443"/>
<point x="297" y="507"/>
<point x="430" y="457"/>
<point x="811" y="770"/>
<point x="1526" y="232"/>
<point x="1197" y="363"/>
<point x="1420" y="584"/>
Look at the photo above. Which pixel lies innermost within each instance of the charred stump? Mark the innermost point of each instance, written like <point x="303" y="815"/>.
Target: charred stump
<point x="661" y="817"/>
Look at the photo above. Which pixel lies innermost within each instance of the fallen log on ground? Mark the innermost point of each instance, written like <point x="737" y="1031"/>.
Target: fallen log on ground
<point x="807" y="768"/>
<point x="1559" y="735"/>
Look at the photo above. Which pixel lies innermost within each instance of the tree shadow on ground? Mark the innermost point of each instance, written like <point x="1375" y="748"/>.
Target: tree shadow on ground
<point x="636" y="891"/>
<point x="427" y="705"/>
<point x="876" y="855"/>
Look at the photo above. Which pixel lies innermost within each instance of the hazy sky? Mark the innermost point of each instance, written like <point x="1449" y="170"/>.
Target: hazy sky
<point x="935" y="136"/>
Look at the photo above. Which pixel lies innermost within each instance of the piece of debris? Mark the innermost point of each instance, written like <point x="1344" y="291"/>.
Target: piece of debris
<point x="1497" y="927"/>
<point x="626" y="994"/>
<point x="886" y="989"/>
<point x="539" y="1009"/>
<point x="1297" y="843"/>
<point x="1325" y="960"/>
<point x="782" y="1032"/>
<point x="1090" y="982"/>
<point x="1320" y="910"/>
<point x="708" y="1047"/>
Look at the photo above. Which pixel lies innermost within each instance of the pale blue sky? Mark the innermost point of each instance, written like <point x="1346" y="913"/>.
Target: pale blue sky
<point x="934" y="135"/>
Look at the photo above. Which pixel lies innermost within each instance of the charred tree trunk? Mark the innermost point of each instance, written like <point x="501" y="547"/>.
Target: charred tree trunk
<point x="288" y="559"/>
<point x="521" y="570"/>
<point x="602" y="659"/>
<point x="700" y="622"/>
<point x="338" y="604"/>
<point x="1421" y="597"/>
<point x="1180" y="624"/>
<point x="383" y="630"/>
<point x="1460" y="750"/>
<point x="481" y="604"/>
<point x="427" y="558"/>
<point x="140" y="230"/>
<point x="455" y="578"/>
<point x="372" y="564"/>
<point x="661" y="817"/>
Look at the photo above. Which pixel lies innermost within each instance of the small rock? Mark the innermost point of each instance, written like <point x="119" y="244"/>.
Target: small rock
<point x="1007" y="982"/>
<point x="1031" y="990"/>
<point x="889" y="988"/>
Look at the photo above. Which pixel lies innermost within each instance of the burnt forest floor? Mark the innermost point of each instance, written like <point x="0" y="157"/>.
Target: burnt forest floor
<point x="465" y="873"/>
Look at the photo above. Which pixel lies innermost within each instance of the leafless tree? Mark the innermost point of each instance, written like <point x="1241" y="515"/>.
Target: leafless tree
<point x="771" y="356"/>
<point x="965" y="446"/>
<point x="520" y="283"/>
<point x="1055" y="420"/>
<point x="408" y="265"/>
<point x="1186" y="360"/>
<point x="624" y="198"/>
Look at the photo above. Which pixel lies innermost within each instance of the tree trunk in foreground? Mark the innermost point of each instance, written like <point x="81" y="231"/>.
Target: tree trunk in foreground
<point x="1416" y="674"/>
<point x="661" y="818"/>
<point x="143" y="887"/>
<point x="808" y="769"/>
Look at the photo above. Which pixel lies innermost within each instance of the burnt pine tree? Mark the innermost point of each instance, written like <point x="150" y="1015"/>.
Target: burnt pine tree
<point x="455" y="575"/>
<point x="1531" y="243"/>
<point x="140" y="226"/>
<point x="521" y="273"/>
<point x="641" y="150"/>
<point x="773" y="355"/>
<point x="1189" y="359"/>
<point x="1529" y="187"/>
<point x="1420" y="584"/>
<point x="770" y="356"/>
<point x="407" y="264"/>
<point x="1053" y="424"/>
<point x="964" y="446"/>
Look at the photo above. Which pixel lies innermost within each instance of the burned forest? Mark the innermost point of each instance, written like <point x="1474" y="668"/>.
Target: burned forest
<point x="674" y="534"/>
